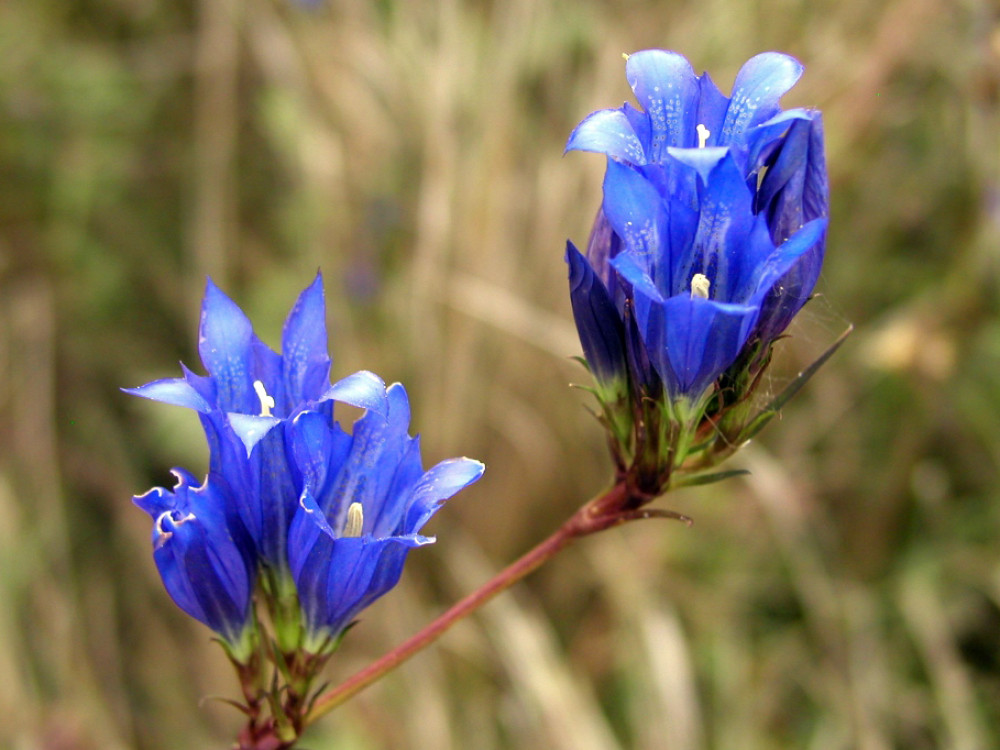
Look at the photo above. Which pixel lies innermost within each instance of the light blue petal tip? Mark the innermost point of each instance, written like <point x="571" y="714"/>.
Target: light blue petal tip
<point x="251" y="429"/>
<point x="363" y="389"/>
<point x="702" y="160"/>
<point x="175" y="391"/>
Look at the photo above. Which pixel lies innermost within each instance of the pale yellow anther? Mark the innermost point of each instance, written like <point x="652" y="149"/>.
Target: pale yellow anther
<point x="700" y="285"/>
<point x="266" y="402"/>
<point x="760" y="176"/>
<point x="703" y="134"/>
<point x="355" y="520"/>
<point x="625" y="55"/>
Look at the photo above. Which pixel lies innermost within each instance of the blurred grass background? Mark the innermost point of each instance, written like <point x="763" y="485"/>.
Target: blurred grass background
<point x="845" y="595"/>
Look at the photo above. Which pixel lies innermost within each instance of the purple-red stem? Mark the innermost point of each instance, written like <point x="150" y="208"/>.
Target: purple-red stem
<point x="600" y="513"/>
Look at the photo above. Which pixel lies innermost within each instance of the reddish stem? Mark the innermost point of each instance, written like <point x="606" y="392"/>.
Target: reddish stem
<point x="600" y="513"/>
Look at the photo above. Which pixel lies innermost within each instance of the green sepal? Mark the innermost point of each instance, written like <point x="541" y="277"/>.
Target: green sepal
<point x="282" y="599"/>
<point x="324" y="644"/>
<point x="241" y="650"/>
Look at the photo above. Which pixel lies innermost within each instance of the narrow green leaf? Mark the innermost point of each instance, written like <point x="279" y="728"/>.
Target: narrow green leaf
<point x="769" y="411"/>
<point x="699" y="479"/>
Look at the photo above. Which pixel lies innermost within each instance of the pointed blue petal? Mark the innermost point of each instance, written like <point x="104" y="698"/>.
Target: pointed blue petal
<point x="225" y="347"/>
<point x="155" y="501"/>
<point x="205" y="386"/>
<point x="319" y="449"/>
<point x="764" y="139"/>
<point x="366" y="472"/>
<point x="607" y="131"/>
<point x="632" y="206"/>
<point x="388" y="517"/>
<point x="363" y="389"/>
<point x="712" y="106"/>
<point x="315" y="514"/>
<point x="761" y="82"/>
<point x="602" y="245"/>
<point x="251" y="429"/>
<point x="304" y="347"/>
<point x="629" y="266"/>
<point x="667" y="88"/>
<point x="176" y="391"/>
<point x="794" y="189"/>
<point x="438" y="484"/>
<point x="266" y="366"/>
<point x="597" y="321"/>
<point x="725" y="219"/>
<point x="787" y="280"/>
<point x="789" y="253"/>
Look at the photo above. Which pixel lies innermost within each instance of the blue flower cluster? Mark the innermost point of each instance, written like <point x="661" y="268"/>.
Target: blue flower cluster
<point x="709" y="240"/>
<point x="711" y="233"/>
<point x="317" y="518"/>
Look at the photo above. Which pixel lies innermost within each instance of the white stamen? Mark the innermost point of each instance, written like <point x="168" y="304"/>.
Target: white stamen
<point x="700" y="286"/>
<point x="266" y="402"/>
<point x="703" y="134"/>
<point x="355" y="520"/>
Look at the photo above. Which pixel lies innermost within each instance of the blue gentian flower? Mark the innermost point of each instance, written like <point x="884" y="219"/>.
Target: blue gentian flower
<point x="698" y="277"/>
<point x="365" y="498"/>
<point x="203" y="568"/>
<point x="250" y="398"/>
<point x="709" y="239"/>
<point x="700" y="188"/>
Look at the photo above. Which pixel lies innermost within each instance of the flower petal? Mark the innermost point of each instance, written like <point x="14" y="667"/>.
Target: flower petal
<point x="608" y="131"/>
<point x="724" y="221"/>
<point x="363" y="389"/>
<point x="633" y="208"/>
<point x="438" y="484"/>
<point x="712" y="106"/>
<point x="225" y="347"/>
<point x="319" y="449"/>
<point x="597" y="320"/>
<point x="315" y="514"/>
<point x="702" y="160"/>
<point x="304" y="346"/>
<point x="789" y="278"/>
<point x="176" y="391"/>
<point x="691" y="340"/>
<point x="788" y="253"/>
<point x="251" y="429"/>
<point x="343" y="576"/>
<point x="667" y="88"/>
<point x="759" y="85"/>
